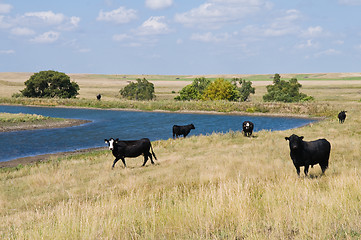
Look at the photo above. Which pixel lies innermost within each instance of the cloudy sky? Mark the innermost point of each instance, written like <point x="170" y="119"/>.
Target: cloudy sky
<point x="180" y="36"/>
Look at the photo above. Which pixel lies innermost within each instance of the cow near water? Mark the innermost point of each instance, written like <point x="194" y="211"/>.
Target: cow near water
<point x="247" y="127"/>
<point x="341" y="116"/>
<point x="132" y="149"/>
<point x="182" y="130"/>
<point x="305" y="153"/>
<point x="99" y="97"/>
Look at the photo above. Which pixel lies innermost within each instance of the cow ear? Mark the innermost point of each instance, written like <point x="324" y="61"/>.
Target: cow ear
<point x="106" y="140"/>
<point x="287" y="138"/>
<point x="301" y="137"/>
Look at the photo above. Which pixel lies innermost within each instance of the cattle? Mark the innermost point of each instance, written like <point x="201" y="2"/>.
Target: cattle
<point x="305" y="153"/>
<point x="132" y="149"/>
<point x="182" y="130"/>
<point x="341" y="116"/>
<point x="99" y="97"/>
<point x="247" y="128"/>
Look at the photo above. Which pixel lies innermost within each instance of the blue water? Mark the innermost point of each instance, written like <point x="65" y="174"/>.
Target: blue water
<point x="125" y="125"/>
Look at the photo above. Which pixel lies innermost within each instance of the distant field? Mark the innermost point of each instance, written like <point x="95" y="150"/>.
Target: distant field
<point x="167" y="87"/>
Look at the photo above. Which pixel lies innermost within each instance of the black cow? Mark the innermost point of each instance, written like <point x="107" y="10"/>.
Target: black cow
<point x="99" y="96"/>
<point x="247" y="128"/>
<point x="342" y="116"/>
<point x="135" y="148"/>
<point x="309" y="153"/>
<point x="182" y="130"/>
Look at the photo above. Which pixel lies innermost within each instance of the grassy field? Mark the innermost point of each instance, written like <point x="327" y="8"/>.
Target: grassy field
<point x="219" y="186"/>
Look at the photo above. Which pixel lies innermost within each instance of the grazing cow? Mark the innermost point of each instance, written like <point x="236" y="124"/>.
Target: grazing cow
<point x="342" y="116"/>
<point x="309" y="153"/>
<point x="247" y="128"/>
<point x="99" y="96"/>
<point x="182" y="130"/>
<point x="135" y="148"/>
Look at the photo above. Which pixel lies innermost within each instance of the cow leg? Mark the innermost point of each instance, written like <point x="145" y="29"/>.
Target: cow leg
<point x="115" y="161"/>
<point x="151" y="158"/>
<point x="298" y="170"/>
<point x="323" y="168"/>
<point x="123" y="160"/>
<point x="306" y="169"/>
<point x="145" y="159"/>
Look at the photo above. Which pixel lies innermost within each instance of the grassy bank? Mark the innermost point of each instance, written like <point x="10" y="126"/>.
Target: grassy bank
<point x="224" y="186"/>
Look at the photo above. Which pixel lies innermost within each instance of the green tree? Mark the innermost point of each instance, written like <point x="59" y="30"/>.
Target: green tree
<point x="49" y="84"/>
<point x="195" y="90"/>
<point x="245" y="90"/>
<point x="221" y="90"/>
<point x="141" y="90"/>
<point x="285" y="91"/>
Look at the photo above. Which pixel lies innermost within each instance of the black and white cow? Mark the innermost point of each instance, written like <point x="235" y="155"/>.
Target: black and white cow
<point x="309" y="153"/>
<point x="342" y="116"/>
<point x="182" y="130"/>
<point x="135" y="148"/>
<point x="247" y="128"/>
<point x="99" y="97"/>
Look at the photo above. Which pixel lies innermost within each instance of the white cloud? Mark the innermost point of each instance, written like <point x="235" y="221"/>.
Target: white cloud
<point x="215" y="13"/>
<point x="10" y="51"/>
<point x="308" y="44"/>
<point x="120" y="37"/>
<point x="4" y="23"/>
<point x="153" y="26"/>
<point x="328" y="52"/>
<point x="47" y="17"/>
<point x="210" y="37"/>
<point x="20" y="31"/>
<point x="350" y="2"/>
<point x="158" y="4"/>
<point x="5" y="8"/>
<point x="313" y="32"/>
<point x="47" y="37"/>
<point x="119" y="16"/>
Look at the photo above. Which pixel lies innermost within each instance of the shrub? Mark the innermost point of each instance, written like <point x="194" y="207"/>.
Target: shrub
<point x="221" y="90"/>
<point x="245" y="90"/>
<point x="50" y="84"/>
<point x="141" y="90"/>
<point x="285" y="91"/>
<point x="195" y="90"/>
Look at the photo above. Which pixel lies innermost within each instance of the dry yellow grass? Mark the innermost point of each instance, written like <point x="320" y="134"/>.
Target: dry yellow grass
<point x="221" y="186"/>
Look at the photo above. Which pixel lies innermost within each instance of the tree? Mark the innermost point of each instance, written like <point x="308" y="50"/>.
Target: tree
<point x="221" y="90"/>
<point x="285" y="91"/>
<point x="49" y="84"/>
<point x="141" y="90"/>
<point x="195" y="90"/>
<point x="245" y="90"/>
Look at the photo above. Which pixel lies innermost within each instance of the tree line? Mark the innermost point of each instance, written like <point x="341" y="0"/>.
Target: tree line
<point x="50" y="84"/>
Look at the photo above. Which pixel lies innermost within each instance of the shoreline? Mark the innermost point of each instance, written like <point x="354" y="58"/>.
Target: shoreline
<point x="76" y="122"/>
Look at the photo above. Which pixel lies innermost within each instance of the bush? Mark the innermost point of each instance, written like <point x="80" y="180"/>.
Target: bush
<point x="50" y="84"/>
<point x="285" y="91"/>
<point x="221" y="90"/>
<point x="195" y="90"/>
<point x="141" y="90"/>
<point x="245" y="90"/>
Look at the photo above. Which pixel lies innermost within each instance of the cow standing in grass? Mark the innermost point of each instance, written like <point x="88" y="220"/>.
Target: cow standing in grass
<point x="341" y="116"/>
<point x="309" y="153"/>
<point x="135" y="148"/>
<point x="182" y="130"/>
<point x="247" y="128"/>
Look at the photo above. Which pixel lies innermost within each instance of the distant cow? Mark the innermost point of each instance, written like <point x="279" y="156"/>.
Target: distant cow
<point x="99" y="96"/>
<point x="182" y="130"/>
<point x="135" y="148"/>
<point x="309" y="153"/>
<point x="342" y="116"/>
<point x="247" y="128"/>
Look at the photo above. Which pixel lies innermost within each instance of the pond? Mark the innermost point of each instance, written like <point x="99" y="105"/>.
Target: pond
<point x="125" y="125"/>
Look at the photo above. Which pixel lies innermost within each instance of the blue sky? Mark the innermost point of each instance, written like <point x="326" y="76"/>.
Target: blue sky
<point x="180" y="36"/>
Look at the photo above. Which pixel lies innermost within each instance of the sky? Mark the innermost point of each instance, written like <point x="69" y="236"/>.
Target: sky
<point x="180" y="37"/>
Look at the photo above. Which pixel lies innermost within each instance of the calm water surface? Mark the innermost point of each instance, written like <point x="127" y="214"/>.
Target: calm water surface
<point x="125" y="125"/>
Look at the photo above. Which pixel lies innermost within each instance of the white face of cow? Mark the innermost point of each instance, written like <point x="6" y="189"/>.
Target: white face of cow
<point x="110" y="142"/>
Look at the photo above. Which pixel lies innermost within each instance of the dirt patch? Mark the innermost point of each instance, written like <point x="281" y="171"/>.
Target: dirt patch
<point x="44" y="124"/>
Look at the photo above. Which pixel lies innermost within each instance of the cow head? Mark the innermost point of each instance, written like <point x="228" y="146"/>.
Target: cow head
<point x="295" y="141"/>
<point x="247" y="125"/>
<point x="192" y="126"/>
<point x="111" y="142"/>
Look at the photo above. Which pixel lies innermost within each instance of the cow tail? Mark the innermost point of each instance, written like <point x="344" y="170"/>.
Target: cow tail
<point x="153" y="152"/>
